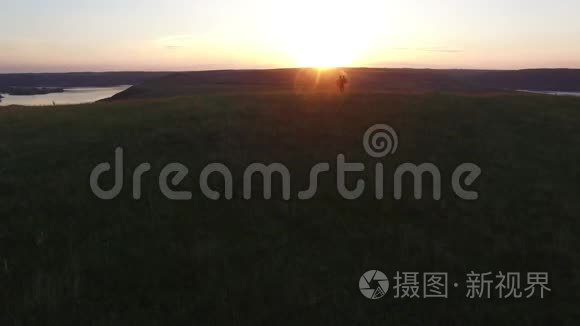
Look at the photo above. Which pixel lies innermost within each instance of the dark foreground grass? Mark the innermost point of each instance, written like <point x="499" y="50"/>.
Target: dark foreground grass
<point x="67" y="258"/>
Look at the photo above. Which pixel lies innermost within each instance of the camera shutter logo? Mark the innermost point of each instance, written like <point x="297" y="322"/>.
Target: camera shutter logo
<point x="374" y="284"/>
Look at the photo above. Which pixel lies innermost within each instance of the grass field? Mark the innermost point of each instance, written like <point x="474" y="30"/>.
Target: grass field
<point x="68" y="258"/>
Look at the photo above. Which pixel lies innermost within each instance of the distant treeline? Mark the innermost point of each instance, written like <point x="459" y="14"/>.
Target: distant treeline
<point x="30" y="90"/>
<point x="77" y="79"/>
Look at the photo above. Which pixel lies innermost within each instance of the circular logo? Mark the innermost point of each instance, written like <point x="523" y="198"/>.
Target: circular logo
<point x="380" y="140"/>
<point x="374" y="284"/>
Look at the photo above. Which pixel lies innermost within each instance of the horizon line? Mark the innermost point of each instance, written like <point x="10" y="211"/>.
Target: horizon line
<point x="280" y="68"/>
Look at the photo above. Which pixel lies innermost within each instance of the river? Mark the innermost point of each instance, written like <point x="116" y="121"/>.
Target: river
<point x="77" y="95"/>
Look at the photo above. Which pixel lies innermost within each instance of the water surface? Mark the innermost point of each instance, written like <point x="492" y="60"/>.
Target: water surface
<point x="556" y="93"/>
<point x="77" y="95"/>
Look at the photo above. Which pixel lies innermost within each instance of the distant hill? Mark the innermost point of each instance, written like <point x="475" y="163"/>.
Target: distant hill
<point x="166" y="84"/>
<point x="360" y="79"/>
<point x="77" y="79"/>
<point x="565" y="80"/>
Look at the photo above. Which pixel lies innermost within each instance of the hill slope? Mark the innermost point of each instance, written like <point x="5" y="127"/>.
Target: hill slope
<point x="360" y="79"/>
<point x="73" y="259"/>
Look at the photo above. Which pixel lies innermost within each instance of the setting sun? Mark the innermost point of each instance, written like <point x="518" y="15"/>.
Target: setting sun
<point x="326" y="34"/>
<point x="314" y="51"/>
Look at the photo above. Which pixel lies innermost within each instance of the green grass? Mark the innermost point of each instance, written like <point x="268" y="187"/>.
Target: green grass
<point x="67" y="258"/>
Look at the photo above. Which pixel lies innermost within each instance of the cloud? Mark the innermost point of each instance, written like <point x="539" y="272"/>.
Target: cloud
<point x="431" y="49"/>
<point x="173" y="42"/>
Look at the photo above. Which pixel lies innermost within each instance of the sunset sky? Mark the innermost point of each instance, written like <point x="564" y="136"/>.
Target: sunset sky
<point x="81" y="35"/>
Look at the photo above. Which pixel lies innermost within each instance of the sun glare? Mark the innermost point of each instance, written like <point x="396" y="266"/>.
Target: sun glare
<point x="325" y="34"/>
<point x="322" y="51"/>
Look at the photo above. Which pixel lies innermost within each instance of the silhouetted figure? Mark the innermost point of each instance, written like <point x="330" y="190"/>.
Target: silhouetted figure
<point x="341" y="82"/>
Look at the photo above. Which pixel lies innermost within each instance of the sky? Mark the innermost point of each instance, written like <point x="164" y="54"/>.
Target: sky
<point x="114" y="35"/>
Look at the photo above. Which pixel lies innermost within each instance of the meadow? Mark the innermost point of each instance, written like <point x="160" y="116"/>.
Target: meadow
<point x="69" y="258"/>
